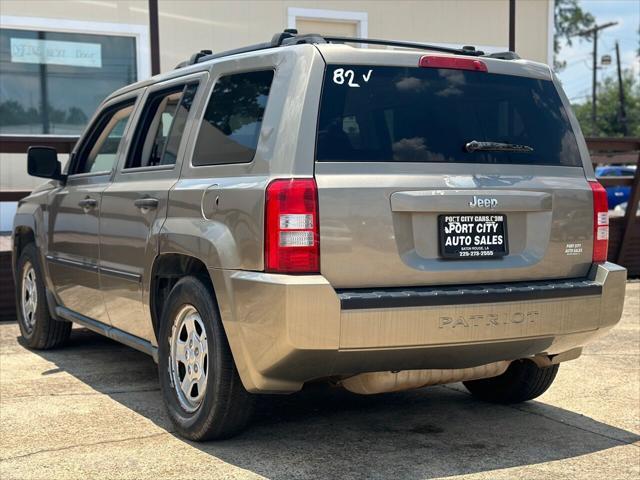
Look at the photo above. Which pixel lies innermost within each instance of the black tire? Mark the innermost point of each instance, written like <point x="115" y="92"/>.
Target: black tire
<point x="226" y="407"/>
<point x="522" y="381"/>
<point x="38" y="329"/>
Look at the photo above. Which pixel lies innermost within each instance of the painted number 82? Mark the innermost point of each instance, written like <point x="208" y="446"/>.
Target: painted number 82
<point x="340" y="76"/>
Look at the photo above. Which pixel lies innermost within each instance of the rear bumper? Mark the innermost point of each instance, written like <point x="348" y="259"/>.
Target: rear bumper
<point x="285" y="330"/>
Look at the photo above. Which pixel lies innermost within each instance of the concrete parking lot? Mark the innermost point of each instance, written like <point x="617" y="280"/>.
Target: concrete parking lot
<point x="94" y="410"/>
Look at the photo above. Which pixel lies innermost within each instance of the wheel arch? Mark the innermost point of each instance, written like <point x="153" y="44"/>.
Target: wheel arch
<point x="22" y="236"/>
<point x="24" y="232"/>
<point x="167" y="269"/>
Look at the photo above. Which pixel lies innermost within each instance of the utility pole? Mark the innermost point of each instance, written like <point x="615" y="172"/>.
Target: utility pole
<point x="154" y="37"/>
<point x="594" y="31"/>
<point x="512" y="25"/>
<point x="623" y="113"/>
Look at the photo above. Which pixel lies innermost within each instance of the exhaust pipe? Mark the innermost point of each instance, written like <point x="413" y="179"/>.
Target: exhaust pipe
<point x="383" y="382"/>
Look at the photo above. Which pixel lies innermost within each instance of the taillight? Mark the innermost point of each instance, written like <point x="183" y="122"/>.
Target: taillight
<point x="600" y="222"/>
<point x="291" y="226"/>
<point x="455" y="63"/>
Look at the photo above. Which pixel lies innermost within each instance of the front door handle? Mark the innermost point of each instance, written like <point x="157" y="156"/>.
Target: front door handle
<point x="88" y="204"/>
<point x="146" y="203"/>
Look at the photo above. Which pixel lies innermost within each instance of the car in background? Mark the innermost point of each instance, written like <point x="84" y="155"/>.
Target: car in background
<point x="620" y="210"/>
<point x="619" y="193"/>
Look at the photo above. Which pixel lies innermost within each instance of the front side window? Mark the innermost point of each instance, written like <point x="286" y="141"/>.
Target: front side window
<point x="99" y="151"/>
<point x="52" y="82"/>
<point x="232" y="121"/>
<point x="162" y="124"/>
<point x="401" y="114"/>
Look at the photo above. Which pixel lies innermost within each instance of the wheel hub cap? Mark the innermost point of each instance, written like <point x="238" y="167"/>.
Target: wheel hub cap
<point x="189" y="358"/>
<point x="29" y="297"/>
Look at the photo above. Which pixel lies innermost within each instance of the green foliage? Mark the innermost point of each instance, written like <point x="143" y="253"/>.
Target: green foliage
<point x="570" y="20"/>
<point x="608" y="123"/>
<point x="14" y="113"/>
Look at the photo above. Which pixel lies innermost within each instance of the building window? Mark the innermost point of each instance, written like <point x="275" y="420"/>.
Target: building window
<point x="340" y="23"/>
<point x="52" y="82"/>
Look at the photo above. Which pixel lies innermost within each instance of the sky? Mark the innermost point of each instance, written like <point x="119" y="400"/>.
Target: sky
<point x="576" y="76"/>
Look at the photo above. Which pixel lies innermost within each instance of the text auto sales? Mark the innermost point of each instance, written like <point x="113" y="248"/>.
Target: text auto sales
<point x="482" y="233"/>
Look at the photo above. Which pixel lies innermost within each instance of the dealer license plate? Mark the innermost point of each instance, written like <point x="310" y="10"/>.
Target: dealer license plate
<point x="473" y="236"/>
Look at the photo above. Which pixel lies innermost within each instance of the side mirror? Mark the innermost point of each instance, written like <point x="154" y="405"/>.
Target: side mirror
<point x="43" y="162"/>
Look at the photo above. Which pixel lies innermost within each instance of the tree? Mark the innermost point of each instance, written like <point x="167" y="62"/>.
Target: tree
<point x="608" y="123"/>
<point x="570" y="20"/>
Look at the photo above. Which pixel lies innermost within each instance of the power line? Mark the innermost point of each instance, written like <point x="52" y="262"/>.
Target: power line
<point x="576" y="62"/>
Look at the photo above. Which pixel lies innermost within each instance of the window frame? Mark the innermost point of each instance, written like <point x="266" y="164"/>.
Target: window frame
<point x="359" y="18"/>
<point x="59" y="25"/>
<point x="201" y="78"/>
<point x="561" y="103"/>
<point x="91" y="133"/>
<point x="205" y="104"/>
<point x="151" y="95"/>
<point x="139" y="32"/>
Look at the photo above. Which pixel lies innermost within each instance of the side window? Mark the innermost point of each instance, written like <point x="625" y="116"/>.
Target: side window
<point x="231" y="125"/>
<point x="161" y="125"/>
<point x="98" y="153"/>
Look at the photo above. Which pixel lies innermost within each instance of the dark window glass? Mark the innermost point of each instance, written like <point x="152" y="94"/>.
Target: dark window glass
<point x="52" y="82"/>
<point x="161" y="126"/>
<point x="231" y="124"/>
<point x="99" y="149"/>
<point x="401" y="114"/>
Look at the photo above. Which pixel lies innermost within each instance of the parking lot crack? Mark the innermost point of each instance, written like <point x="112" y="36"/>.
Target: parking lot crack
<point x="72" y="394"/>
<point x="71" y="447"/>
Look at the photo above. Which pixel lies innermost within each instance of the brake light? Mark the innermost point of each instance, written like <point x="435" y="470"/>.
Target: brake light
<point x="600" y="222"/>
<point x="455" y="63"/>
<point x="291" y="226"/>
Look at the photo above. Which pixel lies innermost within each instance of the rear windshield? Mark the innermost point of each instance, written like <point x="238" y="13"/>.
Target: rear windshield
<point x="399" y="114"/>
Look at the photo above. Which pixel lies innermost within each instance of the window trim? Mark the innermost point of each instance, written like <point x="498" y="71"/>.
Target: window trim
<point x="561" y="104"/>
<point x="206" y="104"/>
<point x="202" y="78"/>
<point x="141" y="119"/>
<point x="151" y="168"/>
<point x="80" y="176"/>
<point x="90" y="131"/>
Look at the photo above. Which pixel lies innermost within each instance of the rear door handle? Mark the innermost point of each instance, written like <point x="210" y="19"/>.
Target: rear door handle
<point x="146" y="203"/>
<point x="88" y="204"/>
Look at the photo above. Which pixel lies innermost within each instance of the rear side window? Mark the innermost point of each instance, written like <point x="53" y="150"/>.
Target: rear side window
<point x="399" y="114"/>
<point x="231" y="125"/>
<point x="161" y="126"/>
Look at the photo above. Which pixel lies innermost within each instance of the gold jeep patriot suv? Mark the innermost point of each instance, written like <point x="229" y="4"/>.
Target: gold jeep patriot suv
<point x="300" y="210"/>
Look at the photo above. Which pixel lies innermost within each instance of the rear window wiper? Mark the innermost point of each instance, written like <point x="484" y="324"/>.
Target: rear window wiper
<point x="474" y="146"/>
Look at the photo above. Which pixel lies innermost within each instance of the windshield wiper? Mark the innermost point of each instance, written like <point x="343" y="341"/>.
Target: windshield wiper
<point x="474" y="146"/>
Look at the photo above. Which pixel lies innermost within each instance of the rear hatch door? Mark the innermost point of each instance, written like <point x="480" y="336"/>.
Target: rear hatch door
<point x="407" y="198"/>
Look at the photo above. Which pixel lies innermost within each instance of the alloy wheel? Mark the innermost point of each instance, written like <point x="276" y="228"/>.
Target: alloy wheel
<point x="29" y="297"/>
<point x="189" y="358"/>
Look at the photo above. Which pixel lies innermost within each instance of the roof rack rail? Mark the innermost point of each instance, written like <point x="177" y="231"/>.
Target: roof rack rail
<point x="276" y="41"/>
<point x="290" y="36"/>
<point x="194" y="58"/>
<point x="466" y="50"/>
